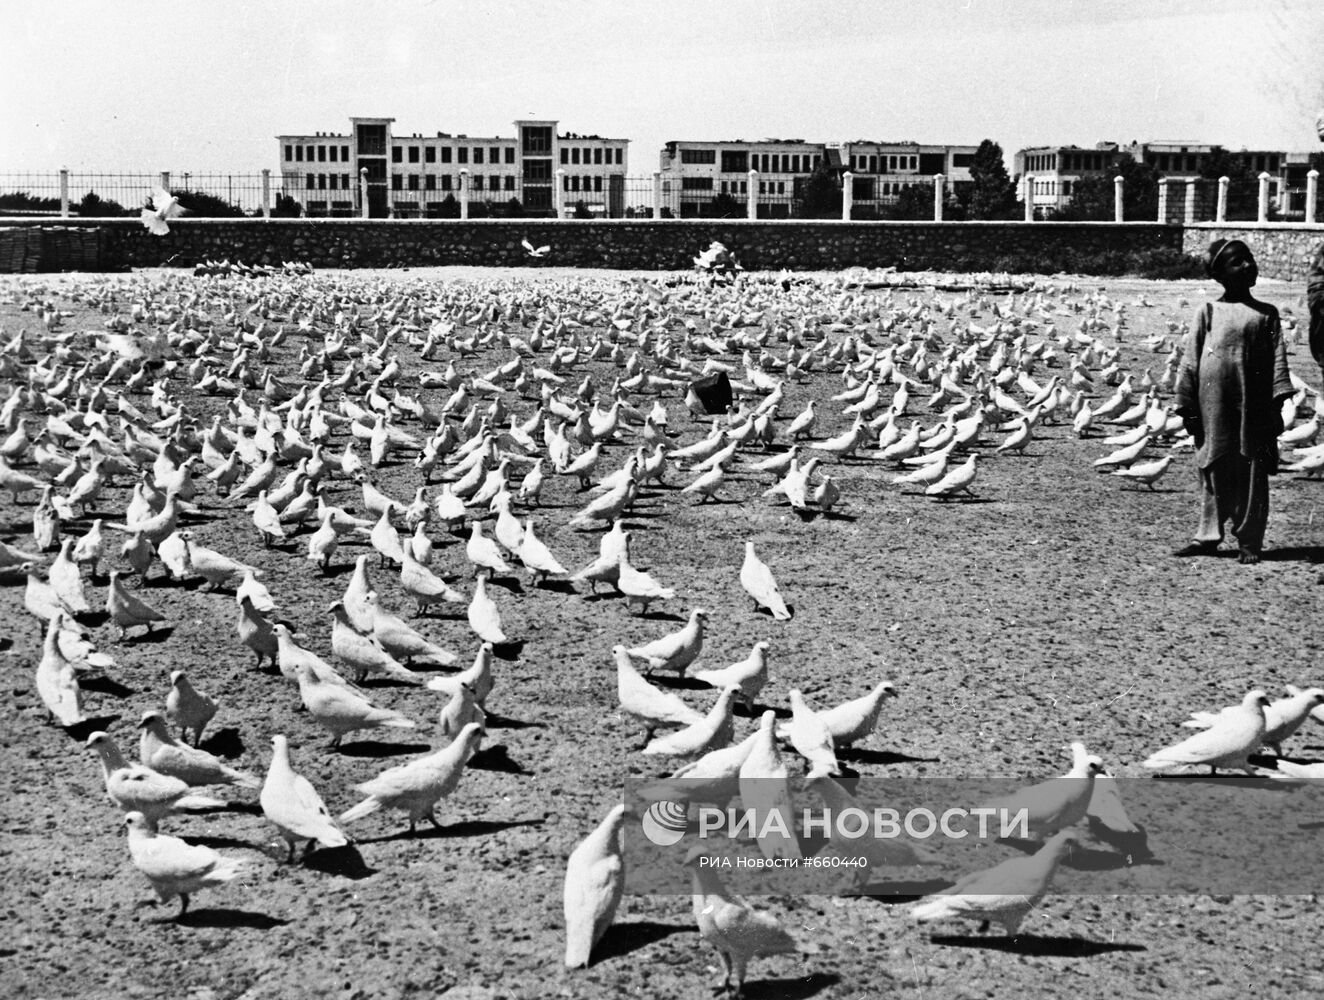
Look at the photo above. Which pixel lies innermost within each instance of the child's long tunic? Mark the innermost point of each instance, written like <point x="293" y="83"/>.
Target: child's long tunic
<point x="1230" y="388"/>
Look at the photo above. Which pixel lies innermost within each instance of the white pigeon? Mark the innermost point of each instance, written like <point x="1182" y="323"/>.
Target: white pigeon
<point x="594" y="884"/>
<point x="1054" y="805"/>
<point x="478" y="678"/>
<point x="57" y="681"/>
<point x="163" y="207"/>
<point x="340" y="710"/>
<point x="958" y="480"/>
<point x="854" y="720"/>
<point x="811" y="737"/>
<point x="652" y="707"/>
<point x="713" y="732"/>
<point x="137" y="788"/>
<point x="174" y="867"/>
<point x="764" y="789"/>
<point x="1146" y="473"/>
<point x="292" y="805"/>
<point x="1003" y="894"/>
<point x="1237" y="732"/>
<point x="677" y="650"/>
<point x="737" y="930"/>
<point x="533" y="251"/>
<point x="484" y="616"/>
<point x="750" y="674"/>
<point x="160" y="751"/>
<point x="759" y="583"/>
<point x="416" y="787"/>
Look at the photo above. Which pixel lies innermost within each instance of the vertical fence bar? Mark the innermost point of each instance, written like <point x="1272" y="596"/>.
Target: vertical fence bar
<point x="165" y="180"/>
<point x="64" y="192"/>
<point x="1262" y="207"/>
<point x="558" y="193"/>
<point x="266" y="193"/>
<point x="1119" y="188"/>
<point x="464" y="194"/>
<point x="937" y="197"/>
<point x="1220" y="210"/>
<point x="847" y="195"/>
<point x="657" y="194"/>
<point x="1312" y="192"/>
<point x="752" y="196"/>
<point x="1029" y="197"/>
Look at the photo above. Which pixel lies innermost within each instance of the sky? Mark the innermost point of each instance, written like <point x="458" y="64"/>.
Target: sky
<point x="206" y="85"/>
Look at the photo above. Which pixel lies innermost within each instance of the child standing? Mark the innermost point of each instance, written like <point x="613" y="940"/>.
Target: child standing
<point x="1230" y="390"/>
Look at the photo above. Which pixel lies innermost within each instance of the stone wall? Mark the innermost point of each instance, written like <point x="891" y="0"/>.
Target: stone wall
<point x="627" y="244"/>
<point x="1282" y="251"/>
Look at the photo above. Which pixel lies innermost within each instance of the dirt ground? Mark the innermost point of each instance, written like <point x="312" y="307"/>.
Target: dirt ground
<point x="1046" y="611"/>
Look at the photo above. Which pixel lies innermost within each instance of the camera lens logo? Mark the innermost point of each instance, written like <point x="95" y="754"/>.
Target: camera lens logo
<point x="665" y="823"/>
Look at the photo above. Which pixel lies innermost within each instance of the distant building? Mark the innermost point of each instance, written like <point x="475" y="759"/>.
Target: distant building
<point x="1054" y="170"/>
<point x="410" y="176"/>
<point x="695" y="173"/>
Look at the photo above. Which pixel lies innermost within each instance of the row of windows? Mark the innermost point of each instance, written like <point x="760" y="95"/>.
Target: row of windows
<point x="738" y="161"/>
<point x="873" y="164"/>
<point x="429" y="154"/>
<point x="323" y="182"/>
<point x="428" y="182"/>
<point x="1044" y="161"/>
<point x="297" y="154"/>
<point x="1086" y="161"/>
<point x="572" y="154"/>
<point x="573" y="183"/>
<point x="735" y="187"/>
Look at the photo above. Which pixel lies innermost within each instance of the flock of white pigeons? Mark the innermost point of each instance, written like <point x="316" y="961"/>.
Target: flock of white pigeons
<point x="280" y="401"/>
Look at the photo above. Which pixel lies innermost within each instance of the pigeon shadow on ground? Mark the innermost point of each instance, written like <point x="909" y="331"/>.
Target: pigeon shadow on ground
<point x="497" y="758"/>
<point x="622" y="939"/>
<point x="224" y="743"/>
<point x="231" y="918"/>
<point x="508" y="650"/>
<point x="106" y="685"/>
<point x="509" y="582"/>
<point x="495" y="721"/>
<point x="80" y="731"/>
<point x="219" y="842"/>
<point x="1319" y="825"/>
<point x="377" y="748"/>
<point x="337" y="569"/>
<point x="247" y="808"/>
<point x="661" y="616"/>
<point x="756" y="711"/>
<point x="93" y="619"/>
<point x="153" y="638"/>
<point x="1224" y="780"/>
<point x="894" y="893"/>
<point x="1033" y="944"/>
<point x="1083" y="857"/>
<point x="556" y="586"/>
<point x="6" y="644"/>
<point x="464" y="828"/>
<point x="839" y="515"/>
<point x="790" y="989"/>
<point x="863" y="755"/>
<point x="1295" y="553"/>
<point x="345" y="861"/>
<point x="962" y="499"/>
<point x="681" y="682"/>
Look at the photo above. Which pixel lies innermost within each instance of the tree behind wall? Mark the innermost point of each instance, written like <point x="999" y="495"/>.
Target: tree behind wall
<point x="820" y="195"/>
<point x="1092" y="196"/>
<point x="1243" y="190"/>
<point x="991" y="193"/>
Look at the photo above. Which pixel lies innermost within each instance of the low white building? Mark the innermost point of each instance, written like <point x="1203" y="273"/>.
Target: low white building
<point x="416" y="175"/>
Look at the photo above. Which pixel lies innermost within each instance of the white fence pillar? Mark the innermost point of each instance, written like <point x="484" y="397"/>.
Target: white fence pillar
<point x="1312" y="192"/>
<point x="1188" y="209"/>
<point x="1119" y="190"/>
<point x="847" y="195"/>
<point x="266" y="192"/>
<point x="1163" y="199"/>
<point x="558" y="195"/>
<point x="657" y="194"/>
<point x="165" y="179"/>
<point x="363" y="192"/>
<point x="752" y="196"/>
<point x="1262" y="209"/>
<point x="1029" y="197"/>
<point x="64" y="192"/>
<point x="937" y="197"/>
<point x="1220" y="211"/>
<point x="1278" y="195"/>
<point x="464" y="194"/>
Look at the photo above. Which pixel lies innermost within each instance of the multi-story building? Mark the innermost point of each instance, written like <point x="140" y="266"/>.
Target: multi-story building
<point x="695" y="174"/>
<point x="1054" y="170"/>
<point x="411" y="176"/>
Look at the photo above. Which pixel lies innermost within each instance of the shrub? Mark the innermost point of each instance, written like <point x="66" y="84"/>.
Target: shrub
<point x="21" y="201"/>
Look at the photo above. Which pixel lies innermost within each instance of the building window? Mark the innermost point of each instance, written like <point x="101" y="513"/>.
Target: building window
<point x="597" y="183"/>
<point x="344" y="182"/>
<point x="445" y="182"/>
<point x="510" y="183"/>
<point x="698" y="156"/>
<point x="413" y="182"/>
<point x="619" y="154"/>
<point x="744" y="187"/>
<point x="321" y="181"/>
<point x="574" y="155"/>
<point x="696" y="183"/>
<point x="311" y="182"/>
<point x="429" y="183"/>
<point x="289" y="152"/>
<point x="298" y="153"/>
<point x="413" y="154"/>
<point x="429" y="154"/>
<point x="565" y="155"/>
<point x="462" y="154"/>
<point x="537" y="139"/>
<point x="397" y="154"/>
<point x="597" y="156"/>
<point x="344" y="154"/>
<point x="734" y="161"/>
<point x="478" y="154"/>
<point x="397" y="182"/>
<point x="763" y="187"/>
<point x="477" y="180"/>
<point x="445" y="154"/>
<point x="331" y="153"/>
